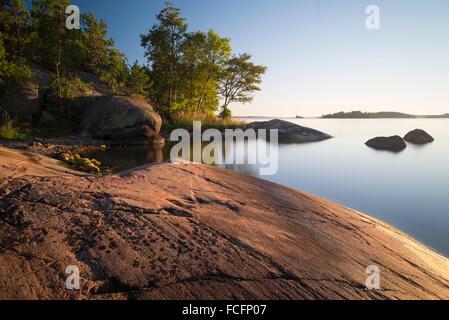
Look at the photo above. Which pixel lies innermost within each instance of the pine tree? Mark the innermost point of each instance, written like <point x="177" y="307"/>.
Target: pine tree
<point x="12" y="71"/>
<point x="163" y="49"/>
<point x="138" y="80"/>
<point x="95" y="43"/>
<point x="115" y="73"/>
<point x="14" y="27"/>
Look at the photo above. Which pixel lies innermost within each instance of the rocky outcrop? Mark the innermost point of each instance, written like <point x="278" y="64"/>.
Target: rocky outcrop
<point x="122" y="119"/>
<point x="190" y="231"/>
<point x="26" y="102"/>
<point x="291" y="132"/>
<point x="100" y="113"/>
<point x="418" y="136"/>
<point x="394" y="143"/>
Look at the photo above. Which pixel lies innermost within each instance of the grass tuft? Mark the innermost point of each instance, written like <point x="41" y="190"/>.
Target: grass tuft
<point x="8" y="129"/>
<point x="207" y="122"/>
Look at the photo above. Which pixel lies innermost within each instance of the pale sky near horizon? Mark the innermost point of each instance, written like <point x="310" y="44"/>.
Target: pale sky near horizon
<point x="320" y="56"/>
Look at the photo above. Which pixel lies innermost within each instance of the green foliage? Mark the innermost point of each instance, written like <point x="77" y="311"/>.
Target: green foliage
<point x="204" y="57"/>
<point x="12" y="72"/>
<point x="240" y="78"/>
<point x="163" y="48"/>
<point x="94" y="42"/>
<point x="15" y="26"/>
<point x="115" y="73"/>
<point x="194" y="71"/>
<point x="207" y="122"/>
<point x="225" y="113"/>
<point x="138" y="80"/>
<point x="54" y="46"/>
<point x="8" y="129"/>
<point x="68" y="87"/>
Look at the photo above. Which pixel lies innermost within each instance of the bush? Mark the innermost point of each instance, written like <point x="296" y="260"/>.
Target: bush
<point x="225" y="113"/>
<point x="68" y="88"/>
<point x="8" y="130"/>
<point x="207" y="122"/>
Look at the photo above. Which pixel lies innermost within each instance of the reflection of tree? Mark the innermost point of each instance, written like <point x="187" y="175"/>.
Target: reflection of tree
<point x="158" y="154"/>
<point x="124" y="158"/>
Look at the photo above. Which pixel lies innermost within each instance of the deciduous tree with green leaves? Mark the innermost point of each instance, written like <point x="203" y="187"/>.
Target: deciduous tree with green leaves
<point x="239" y="79"/>
<point x="213" y="53"/>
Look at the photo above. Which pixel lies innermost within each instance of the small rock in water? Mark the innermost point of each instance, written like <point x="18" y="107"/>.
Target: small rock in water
<point x="418" y="136"/>
<point x="290" y="132"/>
<point x="90" y="167"/>
<point x="394" y="143"/>
<point x="64" y="156"/>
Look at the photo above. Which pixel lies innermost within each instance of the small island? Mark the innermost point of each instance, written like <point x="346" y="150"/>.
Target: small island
<point x="378" y="115"/>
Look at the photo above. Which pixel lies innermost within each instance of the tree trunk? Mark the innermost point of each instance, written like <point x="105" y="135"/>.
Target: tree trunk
<point x="202" y="93"/>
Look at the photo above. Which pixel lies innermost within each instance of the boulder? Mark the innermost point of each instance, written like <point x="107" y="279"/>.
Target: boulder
<point x="394" y="143"/>
<point x="26" y="103"/>
<point x="139" y="134"/>
<point x="123" y="119"/>
<point x="290" y="132"/>
<point x="418" y="136"/>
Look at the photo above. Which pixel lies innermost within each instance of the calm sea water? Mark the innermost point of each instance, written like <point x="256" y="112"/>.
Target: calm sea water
<point x="409" y="190"/>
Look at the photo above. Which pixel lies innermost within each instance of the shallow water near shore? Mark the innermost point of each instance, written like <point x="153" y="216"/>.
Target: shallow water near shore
<point x="408" y="190"/>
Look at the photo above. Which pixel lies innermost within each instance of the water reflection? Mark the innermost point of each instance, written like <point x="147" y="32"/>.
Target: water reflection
<point x="409" y="190"/>
<point x="127" y="157"/>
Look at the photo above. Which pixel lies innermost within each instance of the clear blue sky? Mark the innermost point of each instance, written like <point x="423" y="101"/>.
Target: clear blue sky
<point x="319" y="54"/>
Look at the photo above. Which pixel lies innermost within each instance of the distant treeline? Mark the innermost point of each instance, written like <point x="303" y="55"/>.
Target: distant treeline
<point x="185" y="72"/>
<point x="377" y="115"/>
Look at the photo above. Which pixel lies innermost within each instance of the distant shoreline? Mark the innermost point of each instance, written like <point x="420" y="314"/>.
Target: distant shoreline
<point x="355" y="115"/>
<point x="380" y="115"/>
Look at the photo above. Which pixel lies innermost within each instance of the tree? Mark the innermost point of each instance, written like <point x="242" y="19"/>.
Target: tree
<point x="95" y="43"/>
<point x="213" y="53"/>
<point x="163" y="49"/>
<point x="66" y="88"/>
<point x="51" y="43"/>
<point x="14" y="27"/>
<point x="239" y="79"/>
<point x="12" y="72"/>
<point x="138" y="80"/>
<point x="203" y="56"/>
<point x="115" y="73"/>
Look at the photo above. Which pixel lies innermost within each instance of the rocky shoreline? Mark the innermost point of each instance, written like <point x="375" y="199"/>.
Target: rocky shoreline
<point x="57" y="145"/>
<point x="190" y="231"/>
